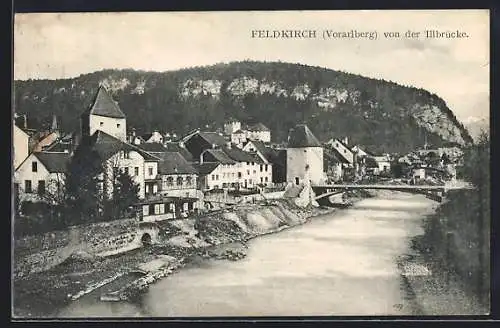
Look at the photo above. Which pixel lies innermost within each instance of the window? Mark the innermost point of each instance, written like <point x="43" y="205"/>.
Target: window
<point x="150" y="171"/>
<point x="179" y="181"/>
<point x="185" y="206"/>
<point x="41" y="187"/>
<point x="261" y="168"/>
<point x="248" y="163"/>
<point x="162" y="208"/>
<point x="118" y="125"/>
<point x="171" y="207"/>
<point x="34" y="166"/>
<point x="261" y="179"/>
<point x="147" y="188"/>
<point x="265" y="179"/>
<point x="266" y="167"/>
<point x="239" y="174"/>
<point x="27" y="186"/>
<point x="170" y="181"/>
<point x="254" y="171"/>
<point x="126" y="154"/>
<point x="189" y="181"/>
<point x="248" y="172"/>
<point x="213" y="177"/>
<point x="345" y="151"/>
<point x="155" y="189"/>
<point x="157" y="208"/>
<point x="224" y="185"/>
<point x="136" y="171"/>
<point x="145" y="209"/>
<point x="232" y="174"/>
<point x="101" y="123"/>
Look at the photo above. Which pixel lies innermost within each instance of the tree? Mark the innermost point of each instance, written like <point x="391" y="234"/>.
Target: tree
<point x="125" y="194"/>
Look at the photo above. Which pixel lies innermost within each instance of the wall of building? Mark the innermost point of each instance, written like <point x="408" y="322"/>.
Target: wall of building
<point x="117" y="127"/>
<point x="20" y="146"/>
<point x="130" y="163"/>
<point x="305" y="164"/>
<point x="264" y="136"/>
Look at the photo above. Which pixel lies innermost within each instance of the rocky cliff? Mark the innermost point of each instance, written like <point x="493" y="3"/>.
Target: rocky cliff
<point x="380" y="114"/>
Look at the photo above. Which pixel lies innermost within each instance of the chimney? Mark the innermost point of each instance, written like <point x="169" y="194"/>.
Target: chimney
<point x="25" y="122"/>
<point x="201" y="157"/>
<point x="133" y="132"/>
<point x="346" y="140"/>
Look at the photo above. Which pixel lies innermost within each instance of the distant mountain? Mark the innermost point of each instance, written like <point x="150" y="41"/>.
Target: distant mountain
<point x="476" y="125"/>
<point x="379" y="114"/>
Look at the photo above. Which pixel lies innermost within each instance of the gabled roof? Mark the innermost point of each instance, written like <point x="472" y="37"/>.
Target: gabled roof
<point x="258" y="127"/>
<point x="239" y="132"/>
<point x="104" y="105"/>
<point x="268" y="152"/>
<point x="213" y="138"/>
<point x="152" y="147"/>
<point x="176" y="147"/>
<point x="333" y="153"/>
<point x="239" y="155"/>
<point x="174" y="163"/>
<point x="220" y="156"/>
<point x="206" y="167"/>
<point x="301" y="137"/>
<point x="55" y="162"/>
<point x="106" y="146"/>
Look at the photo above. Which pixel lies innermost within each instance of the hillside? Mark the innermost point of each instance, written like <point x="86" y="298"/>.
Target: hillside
<point x="380" y="114"/>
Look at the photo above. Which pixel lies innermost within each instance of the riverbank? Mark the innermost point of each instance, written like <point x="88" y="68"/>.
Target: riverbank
<point x="84" y="275"/>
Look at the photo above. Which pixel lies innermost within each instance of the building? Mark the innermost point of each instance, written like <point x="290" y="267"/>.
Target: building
<point x="199" y="141"/>
<point x="105" y="115"/>
<point x="239" y="137"/>
<point x="153" y="137"/>
<point x="112" y="154"/>
<point x="232" y="126"/>
<point x="341" y="146"/>
<point x="335" y="163"/>
<point x="41" y="176"/>
<point x="304" y="157"/>
<point x="165" y="208"/>
<point x="384" y="164"/>
<point x="20" y="145"/>
<point x="259" y="132"/>
<point x="267" y="155"/>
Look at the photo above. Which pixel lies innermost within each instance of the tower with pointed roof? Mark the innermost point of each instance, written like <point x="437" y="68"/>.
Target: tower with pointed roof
<point x="105" y="115"/>
<point x="304" y="157"/>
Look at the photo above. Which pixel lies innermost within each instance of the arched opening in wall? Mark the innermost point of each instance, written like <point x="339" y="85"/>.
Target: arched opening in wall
<point x="146" y="239"/>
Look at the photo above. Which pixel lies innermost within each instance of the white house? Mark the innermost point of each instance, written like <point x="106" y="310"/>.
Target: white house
<point x="41" y="176"/>
<point x="239" y="137"/>
<point x="304" y="157"/>
<point x="156" y="137"/>
<point x="383" y="162"/>
<point x="265" y="171"/>
<point x="258" y="132"/>
<point x="20" y="145"/>
<point x="105" y="115"/>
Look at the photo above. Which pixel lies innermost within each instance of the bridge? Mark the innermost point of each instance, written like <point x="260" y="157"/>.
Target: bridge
<point x="437" y="190"/>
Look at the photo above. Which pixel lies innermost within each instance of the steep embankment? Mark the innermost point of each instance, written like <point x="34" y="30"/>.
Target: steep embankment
<point x="380" y="114"/>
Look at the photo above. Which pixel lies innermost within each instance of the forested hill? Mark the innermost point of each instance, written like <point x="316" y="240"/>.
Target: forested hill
<point x="380" y="114"/>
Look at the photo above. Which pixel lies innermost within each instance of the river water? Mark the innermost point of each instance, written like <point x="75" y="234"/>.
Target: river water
<point x="343" y="263"/>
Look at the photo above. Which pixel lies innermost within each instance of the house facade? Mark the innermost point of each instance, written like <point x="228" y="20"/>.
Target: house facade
<point x="41" y="177"/>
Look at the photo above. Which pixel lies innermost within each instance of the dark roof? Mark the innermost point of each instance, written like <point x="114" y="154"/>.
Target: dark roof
<point x="152" y="147"/>
<point x="239" y="155"/>
<point x="333" y="153"/>
<point x="220" y="156"/>
<point x="174" y="163"/>
<point x="213" y="138"/>
<point x="59" y="146"/>
<point x="206" y="167"/>
<point x="239" y="131"/>
<point x="371" y="162"/>
<point x="106" y="146"/>
<point x="176" y="147"/>
<point x="258" y="127"/>
<point x="104" y="105"/>
<point x="55" y="162"/>
<point x="268" y="152"/>
<point x="301" y="137"/>
<point x="147" y="136"/>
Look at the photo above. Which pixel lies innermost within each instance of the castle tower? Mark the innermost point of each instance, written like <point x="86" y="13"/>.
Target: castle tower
<point x="105" y="115"/>
<point x="231" y="126"/>
<point x="304" y="157"/>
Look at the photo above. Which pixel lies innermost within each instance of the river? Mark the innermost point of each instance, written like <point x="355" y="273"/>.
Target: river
<point x="343" y="263"/>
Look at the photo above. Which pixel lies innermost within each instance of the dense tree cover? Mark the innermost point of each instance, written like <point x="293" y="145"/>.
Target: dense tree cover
<point x="379" y="116"/>
<point x="457" y="236"/>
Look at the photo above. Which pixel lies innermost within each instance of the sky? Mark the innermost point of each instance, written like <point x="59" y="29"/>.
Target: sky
<point x="64" y="45"/>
